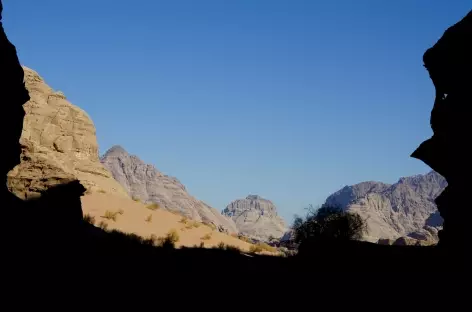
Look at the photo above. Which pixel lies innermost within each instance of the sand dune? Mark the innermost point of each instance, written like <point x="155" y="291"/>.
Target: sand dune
<point x="133" y="220"/>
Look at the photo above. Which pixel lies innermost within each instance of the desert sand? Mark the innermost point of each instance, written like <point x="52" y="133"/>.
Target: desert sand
<point x="133" y="217"/>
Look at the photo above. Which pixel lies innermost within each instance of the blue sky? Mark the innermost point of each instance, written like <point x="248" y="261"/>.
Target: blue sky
<point x="290" y="99"/>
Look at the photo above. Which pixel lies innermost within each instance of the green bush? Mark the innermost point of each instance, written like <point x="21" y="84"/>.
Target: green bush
<point x="153" y="206"/>
<point x="329" y="223"/>
<point x="169" y="240"/>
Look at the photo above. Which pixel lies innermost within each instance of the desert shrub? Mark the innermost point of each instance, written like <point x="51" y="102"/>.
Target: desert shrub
<point x="149" y="218"/>
<point x="245" y="239"/>
<point x="153" y="206"/>
<point x="329" y="223"/>
<point x="184" y="220"/>
<point x="210" y="225"/>
<point x="255" y="249"/>
<point x="99" y="191"/>
<point x="110" y="215"/>
<point x="89" y="219"/>
<point x="261" y="247"/>
<point x="120" y="211"/>
<point x="136" y="199"/>
<point x="103" y="225"/>
<point x="206" y="236"/>
<point x="169" y="240"/>
<point x="227" y="247"/>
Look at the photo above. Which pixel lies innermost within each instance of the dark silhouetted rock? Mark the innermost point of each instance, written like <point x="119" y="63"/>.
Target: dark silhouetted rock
<point x="449" y="63"/>
<point x="13" y="95"/>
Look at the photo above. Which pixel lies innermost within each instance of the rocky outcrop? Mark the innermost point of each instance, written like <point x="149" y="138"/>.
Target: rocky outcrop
<point x="145" y="183"/>
<point x="256" y="217"/>
<point x="13" y="95"/>
<point x="449" y="64"/>
<point x="58" y="145"/>
<point x="405" y="208"/>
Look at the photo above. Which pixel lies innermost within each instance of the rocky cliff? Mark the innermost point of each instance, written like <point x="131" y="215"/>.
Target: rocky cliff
<point x="144" y="182"/>
<point x="58" y="145"/>
<point x="256" y="217"/>
<point x="405" y="208"/>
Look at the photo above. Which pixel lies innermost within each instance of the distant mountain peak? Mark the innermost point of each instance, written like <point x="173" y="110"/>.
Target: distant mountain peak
<point x="116" y="150"/>
<point x="256" y="217"/>
<point x="395" y="210"/>
<point x="253" y="197"/>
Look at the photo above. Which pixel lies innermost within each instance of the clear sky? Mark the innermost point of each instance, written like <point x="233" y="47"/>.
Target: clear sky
<point x="290" y="100"/>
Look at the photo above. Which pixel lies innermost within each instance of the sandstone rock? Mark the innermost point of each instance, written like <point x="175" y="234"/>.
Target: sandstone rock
<point x="59" y="145"/>
<point x="392" y="211"/>
<point x="256" y="217"/>
<point x="144" y="182"/>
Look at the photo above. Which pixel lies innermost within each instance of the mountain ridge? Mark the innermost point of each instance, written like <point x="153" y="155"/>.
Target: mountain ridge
<point x="146" y="183"/>
<point x="404" y="208"/>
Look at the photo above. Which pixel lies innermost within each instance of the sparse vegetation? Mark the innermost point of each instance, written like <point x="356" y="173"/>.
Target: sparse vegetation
<point x="210" y="225"/>
<point x="169" y="240"/>
<point x="136" y="199"/>
<point x="192" y="224"/>
<point x="110" y="215"/>
<point x="260" y="247"/>
<point x="99" y="191"/>
<point x="245" y="239"/>
<point x="153" y="206"/>
<point x="89" y="219"/>
<point x="103" y="225"/>
<point x="227" y="247"/>
<point x="206" y="236"/>
<point x="149" y="218"/>
<point x="184" y="220"/>
<point x="329" y="223"/>
<point x="121" y="212"/>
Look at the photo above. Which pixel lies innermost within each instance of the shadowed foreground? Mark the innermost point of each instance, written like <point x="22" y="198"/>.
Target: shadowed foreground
<point x="47" y="238"/>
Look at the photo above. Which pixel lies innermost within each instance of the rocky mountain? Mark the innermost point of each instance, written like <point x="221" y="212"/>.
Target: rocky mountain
<point x="405" y="208"/>
<point x="144" y="182"/>
<point x="59" y="144"/>
<point x="256" y="217"/>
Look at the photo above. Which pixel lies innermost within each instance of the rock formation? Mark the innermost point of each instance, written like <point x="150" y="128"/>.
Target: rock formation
<point x="58" y="145"/>
<point x="13" y="95"/>
<point x="405" y="208"/>
<point x="256" y="217"/>
<point x="144" y="182"/>
<point x="449" y="63"/>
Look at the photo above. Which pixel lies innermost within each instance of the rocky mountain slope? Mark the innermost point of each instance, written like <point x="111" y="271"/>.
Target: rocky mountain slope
<point x="256" y="217"/>
<point x="59" y="144"/>
<point x="144" y="182"/>
<point x="405" y="208"/>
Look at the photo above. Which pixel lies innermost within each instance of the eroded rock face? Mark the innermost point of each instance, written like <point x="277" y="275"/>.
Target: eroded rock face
<point x="405" y="208"/>
<point x="59" y="145"/>
<point x="256" y="217"/>
<point x="144" y="182"/>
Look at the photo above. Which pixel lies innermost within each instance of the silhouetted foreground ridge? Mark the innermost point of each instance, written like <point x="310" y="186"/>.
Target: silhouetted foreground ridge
<point x="449" y="63"/>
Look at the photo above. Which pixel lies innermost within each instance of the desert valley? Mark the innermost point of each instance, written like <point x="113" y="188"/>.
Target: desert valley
<point x="59" y="145"/>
